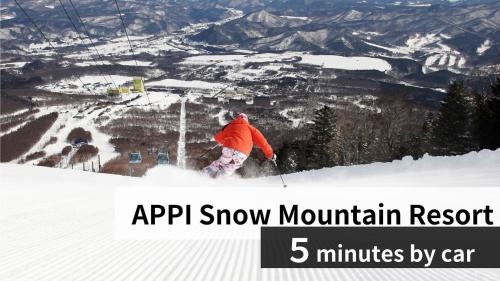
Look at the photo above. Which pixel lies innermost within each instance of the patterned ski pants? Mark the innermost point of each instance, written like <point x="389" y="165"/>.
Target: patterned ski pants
<point x="230" y="161"/>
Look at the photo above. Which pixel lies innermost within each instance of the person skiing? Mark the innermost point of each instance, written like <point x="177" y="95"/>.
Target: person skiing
<point x="237" y="139"/>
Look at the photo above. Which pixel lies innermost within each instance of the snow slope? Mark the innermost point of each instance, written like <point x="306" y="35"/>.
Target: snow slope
<point x="348" y="63"/>
<point x="484" y="47"/>
<point x="181" y="144"/>
<point x="326" y="61"/>
<point x="58" y="224"/>
<point x="473" y="169"/>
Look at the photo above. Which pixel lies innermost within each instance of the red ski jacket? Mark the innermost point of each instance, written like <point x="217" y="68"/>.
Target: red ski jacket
<point x="241" y="136"/>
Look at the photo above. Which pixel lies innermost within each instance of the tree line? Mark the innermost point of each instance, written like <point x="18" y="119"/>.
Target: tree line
<point x="20" y="141"/>
<point x="465" y="121"/>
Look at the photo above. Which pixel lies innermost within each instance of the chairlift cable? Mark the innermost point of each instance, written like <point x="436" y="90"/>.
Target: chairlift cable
<point x="83" y="41"/>
<point x="133" y="53"/>
<point x="126" y="33"/>
<point x="135" y="58"/>
<point x="48" y="41"/>
<point x="221" y="91"/>
<point x="87" y="33"/>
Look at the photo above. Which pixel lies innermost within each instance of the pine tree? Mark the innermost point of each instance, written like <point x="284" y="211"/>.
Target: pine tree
<point x="453" y="131"/>
<point x="293" y="157"/>
<point x="481" y="119"/>
<point x="323" y="144"/>
<point x="489" y="119"/>
<point x="427" y="130"/>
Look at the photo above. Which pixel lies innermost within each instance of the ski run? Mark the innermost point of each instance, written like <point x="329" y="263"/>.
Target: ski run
<point x="59" y="223"/>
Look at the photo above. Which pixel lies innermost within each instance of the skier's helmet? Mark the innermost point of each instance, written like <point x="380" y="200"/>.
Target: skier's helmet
<point x="244" y="116"/>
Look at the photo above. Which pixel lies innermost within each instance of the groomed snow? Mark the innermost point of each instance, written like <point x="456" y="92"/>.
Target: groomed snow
<point x="181" y="144"/>
<point x="473" y="169"/>
<point x="60" y="224"/>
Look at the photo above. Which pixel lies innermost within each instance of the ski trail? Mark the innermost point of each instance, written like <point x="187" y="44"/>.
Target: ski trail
<point x="181" y="145"/>
<point x="38" y="146"/>
<point x="15" y="128"/>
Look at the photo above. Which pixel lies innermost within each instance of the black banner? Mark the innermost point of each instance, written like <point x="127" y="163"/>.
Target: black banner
<point x="377" y="247"/>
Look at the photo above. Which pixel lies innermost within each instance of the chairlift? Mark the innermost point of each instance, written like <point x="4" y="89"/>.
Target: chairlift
<point x="163" y="158"/>
<point x="150" y="149"/>
<point x="135" y="158"/>
<point x="79" y="142"/>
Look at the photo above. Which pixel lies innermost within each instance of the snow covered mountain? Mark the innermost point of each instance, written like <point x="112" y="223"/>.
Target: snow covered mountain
<point x="100" y="17"/>
<point x="442" y="35"/>
<point x="278" y="60"/>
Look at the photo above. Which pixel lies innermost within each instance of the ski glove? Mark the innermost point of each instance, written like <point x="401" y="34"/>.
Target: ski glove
<point x="273" y="159"/>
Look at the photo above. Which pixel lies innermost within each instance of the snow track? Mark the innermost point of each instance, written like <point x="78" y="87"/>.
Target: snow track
<point x="181" y="145"/>
<point x="66" y="118"/>
<point x="34" y="116"/>
<point x="15" y="128"/>
<point x="58" y="224"/>
<point x="61" y="119"/>
<point x="72" y="239"/>
<point x="14" y="114"/>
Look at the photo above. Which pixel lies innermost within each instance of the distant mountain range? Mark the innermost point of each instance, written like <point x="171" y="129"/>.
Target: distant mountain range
<point x="101" y="17"/>
<point x="438" y="33"/>
<point x="451" y="34"/>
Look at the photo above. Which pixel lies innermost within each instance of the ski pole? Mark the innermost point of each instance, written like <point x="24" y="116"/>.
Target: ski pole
<point x="279" y="173"/>
<point x="206" y="152"/>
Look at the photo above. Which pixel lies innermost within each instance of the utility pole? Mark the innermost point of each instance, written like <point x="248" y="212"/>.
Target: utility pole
<point x="99" y="162"/>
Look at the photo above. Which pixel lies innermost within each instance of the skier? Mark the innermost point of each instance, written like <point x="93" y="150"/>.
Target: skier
<point x="237" y="139"/>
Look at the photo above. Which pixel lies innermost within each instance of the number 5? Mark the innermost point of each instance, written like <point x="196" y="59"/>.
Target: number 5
<point x="295" y="248"/>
